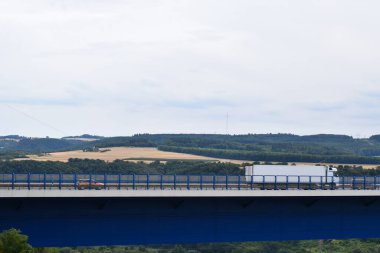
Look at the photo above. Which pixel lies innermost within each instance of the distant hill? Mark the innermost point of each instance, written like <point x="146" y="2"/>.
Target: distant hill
<point x="375" y="138"/>
<point x="266" y="147"/>
<point x="11" y="137"/>
<point x="84" y="137"/>
<point x="16" y="142"/>
<point x="38" y="144"/>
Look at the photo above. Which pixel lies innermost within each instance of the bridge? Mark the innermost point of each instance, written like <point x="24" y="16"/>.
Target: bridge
<point x="156" y="209"/>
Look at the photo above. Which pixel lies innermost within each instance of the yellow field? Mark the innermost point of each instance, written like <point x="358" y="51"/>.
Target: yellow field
<point x="122" y="153"/>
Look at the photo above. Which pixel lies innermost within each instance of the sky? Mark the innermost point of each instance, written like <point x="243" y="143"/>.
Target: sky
<point x="121" y="67"/>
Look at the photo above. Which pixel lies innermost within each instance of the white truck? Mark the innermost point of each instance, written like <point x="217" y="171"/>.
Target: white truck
<point x="286" y="177"/>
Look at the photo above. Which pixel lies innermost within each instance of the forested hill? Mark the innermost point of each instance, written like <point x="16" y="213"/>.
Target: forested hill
<point x="264" y="147"/>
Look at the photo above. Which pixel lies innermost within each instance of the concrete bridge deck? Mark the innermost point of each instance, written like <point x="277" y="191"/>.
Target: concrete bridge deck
<point x="34" y="193"/>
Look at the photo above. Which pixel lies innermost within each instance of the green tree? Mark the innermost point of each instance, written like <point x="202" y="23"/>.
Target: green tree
<point x="45" y="250"/>
<point x="12" y="241"/>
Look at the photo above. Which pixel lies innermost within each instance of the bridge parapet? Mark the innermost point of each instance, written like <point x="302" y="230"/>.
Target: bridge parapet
<point x="62" y="181"/>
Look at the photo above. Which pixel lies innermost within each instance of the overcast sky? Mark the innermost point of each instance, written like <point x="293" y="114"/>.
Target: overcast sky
<point x="120" y="67"/>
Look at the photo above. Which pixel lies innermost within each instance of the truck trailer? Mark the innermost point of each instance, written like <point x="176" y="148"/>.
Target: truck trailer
<point x="287" y="177"/>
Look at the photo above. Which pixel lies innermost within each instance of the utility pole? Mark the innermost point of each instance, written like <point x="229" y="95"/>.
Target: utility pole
<point x="227" y="124"/>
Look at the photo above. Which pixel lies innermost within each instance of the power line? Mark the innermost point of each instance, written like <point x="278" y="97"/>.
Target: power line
<point x="36" y="119"/>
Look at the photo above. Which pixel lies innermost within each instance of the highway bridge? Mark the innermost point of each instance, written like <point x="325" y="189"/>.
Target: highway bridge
<point x="156" y="209"/>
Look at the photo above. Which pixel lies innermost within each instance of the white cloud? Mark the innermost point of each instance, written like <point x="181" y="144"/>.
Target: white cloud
<point x="123" y="67"/>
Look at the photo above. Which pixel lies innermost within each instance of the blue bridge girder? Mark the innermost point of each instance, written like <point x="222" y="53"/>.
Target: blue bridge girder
<point x="80" y="221"/>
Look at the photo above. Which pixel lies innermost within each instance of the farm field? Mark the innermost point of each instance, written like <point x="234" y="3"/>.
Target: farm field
<point x="136" y="154"/>
<point x="124" y="153"/>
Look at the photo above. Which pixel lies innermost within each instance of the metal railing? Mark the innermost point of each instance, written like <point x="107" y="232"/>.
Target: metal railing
<point x="61" y="181"/>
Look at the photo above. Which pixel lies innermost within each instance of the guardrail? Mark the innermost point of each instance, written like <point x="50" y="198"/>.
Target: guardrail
<point x="61" y="181"/>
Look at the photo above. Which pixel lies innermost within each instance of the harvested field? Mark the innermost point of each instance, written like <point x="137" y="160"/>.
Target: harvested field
<point x="124" y="153"/>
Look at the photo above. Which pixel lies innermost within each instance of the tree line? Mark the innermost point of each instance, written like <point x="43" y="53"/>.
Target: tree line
<point x="88" y="166"/>
<point x="13" y="241"/>
<point x="273" y="156"/>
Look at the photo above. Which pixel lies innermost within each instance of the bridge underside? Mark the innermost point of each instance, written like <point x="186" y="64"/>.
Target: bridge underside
<point x="128" y="221"/>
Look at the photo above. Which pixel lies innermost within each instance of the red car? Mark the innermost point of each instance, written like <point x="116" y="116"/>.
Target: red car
<point x="87" y="184"/>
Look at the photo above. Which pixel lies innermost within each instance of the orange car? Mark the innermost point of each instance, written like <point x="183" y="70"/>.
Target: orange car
<point x="87" y="184"/>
